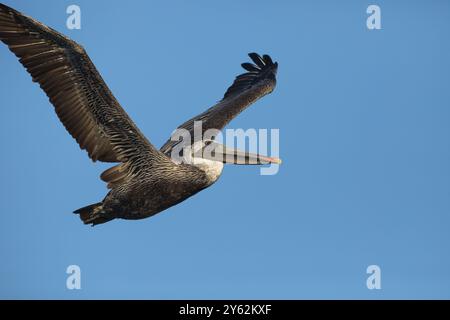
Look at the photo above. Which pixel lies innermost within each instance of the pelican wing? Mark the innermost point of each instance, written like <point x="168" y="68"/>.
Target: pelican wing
<point x="259" y="80"/>
<point x="82" y="100"/>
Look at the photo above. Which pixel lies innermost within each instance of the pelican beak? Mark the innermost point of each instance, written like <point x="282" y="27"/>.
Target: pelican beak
<point x="218" y="152"/>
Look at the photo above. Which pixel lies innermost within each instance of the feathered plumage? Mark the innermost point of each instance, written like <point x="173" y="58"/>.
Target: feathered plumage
<point x="146" y="181"/>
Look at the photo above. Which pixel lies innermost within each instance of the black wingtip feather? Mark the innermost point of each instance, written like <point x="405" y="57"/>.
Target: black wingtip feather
<point x="263" y="67"/>
<point x="267" y="59"/>
<point x="250" y="67"/>
<point x="257" y="59"/>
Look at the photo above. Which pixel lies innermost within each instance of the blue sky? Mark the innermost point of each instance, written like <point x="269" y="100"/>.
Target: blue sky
<point x="364" y="137"/>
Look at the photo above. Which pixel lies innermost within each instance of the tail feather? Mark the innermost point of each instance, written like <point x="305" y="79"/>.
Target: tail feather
<point x="92" y="214"/>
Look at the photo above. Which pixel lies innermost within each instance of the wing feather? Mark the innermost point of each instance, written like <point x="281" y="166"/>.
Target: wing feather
<point x="82" y="100"/>
<point x="245" y="90"/>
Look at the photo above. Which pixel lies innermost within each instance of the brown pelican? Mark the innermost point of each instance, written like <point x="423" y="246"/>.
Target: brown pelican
<point x="146" y="180"/>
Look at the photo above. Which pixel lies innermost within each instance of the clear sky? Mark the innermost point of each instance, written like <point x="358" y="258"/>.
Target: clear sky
<point x="364" y="137"/>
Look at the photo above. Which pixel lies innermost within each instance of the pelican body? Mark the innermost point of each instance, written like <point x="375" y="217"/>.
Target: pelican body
<point x="145" y="180"/>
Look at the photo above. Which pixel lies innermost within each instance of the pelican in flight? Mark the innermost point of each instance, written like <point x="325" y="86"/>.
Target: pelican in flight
<point x="145" y="180"/>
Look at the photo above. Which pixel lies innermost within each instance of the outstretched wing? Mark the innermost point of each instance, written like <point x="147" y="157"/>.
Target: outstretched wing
<point x="82" y="100"/>
<point x="259" y="80"/>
